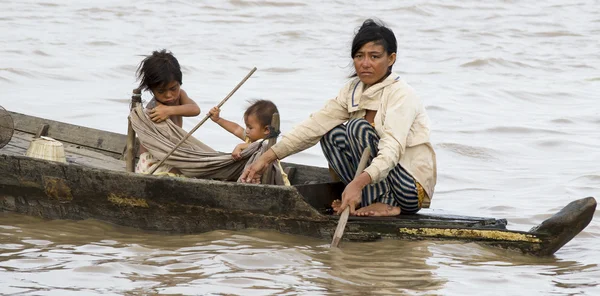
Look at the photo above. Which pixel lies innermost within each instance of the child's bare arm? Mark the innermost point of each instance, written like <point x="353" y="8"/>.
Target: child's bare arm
<point x="237" y="152"/>
<point x="229" y="126"/>
<point x="187" y="106"/>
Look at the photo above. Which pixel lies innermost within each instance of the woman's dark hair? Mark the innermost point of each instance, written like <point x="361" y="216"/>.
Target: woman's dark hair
<point x="377" y="32"/>
<point x="263" y="110"/>
<point x="158" y="69"/>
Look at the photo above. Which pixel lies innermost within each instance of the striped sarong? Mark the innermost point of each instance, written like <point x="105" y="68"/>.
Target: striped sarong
<point x="343" y="147"/>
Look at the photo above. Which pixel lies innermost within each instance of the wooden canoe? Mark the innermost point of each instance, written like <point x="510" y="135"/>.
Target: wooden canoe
<point x="93" y="184"/>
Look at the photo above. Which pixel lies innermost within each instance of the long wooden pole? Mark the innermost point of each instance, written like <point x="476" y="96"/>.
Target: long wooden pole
<point x="203" y="120"/>
<point x="339" y="231"/>
<point x="136" y="98"/>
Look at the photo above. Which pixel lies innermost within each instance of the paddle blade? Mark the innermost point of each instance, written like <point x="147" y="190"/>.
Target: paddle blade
<point x="339" y="231"/>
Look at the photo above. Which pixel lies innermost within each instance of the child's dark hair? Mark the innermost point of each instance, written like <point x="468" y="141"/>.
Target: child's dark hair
<point x="158" y="69"/>
<point x="263" y="110"/>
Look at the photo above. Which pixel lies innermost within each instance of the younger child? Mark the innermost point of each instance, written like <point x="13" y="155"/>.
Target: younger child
<point x="257" y="119"/>
<point x="161" y="74"/>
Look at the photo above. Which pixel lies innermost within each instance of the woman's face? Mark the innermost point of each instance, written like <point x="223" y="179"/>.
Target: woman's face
<point x="371" y="63"/>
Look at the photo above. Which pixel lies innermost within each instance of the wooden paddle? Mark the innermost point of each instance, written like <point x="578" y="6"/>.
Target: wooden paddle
<point x="203" y="120"/>
<point x="339" y="231"/>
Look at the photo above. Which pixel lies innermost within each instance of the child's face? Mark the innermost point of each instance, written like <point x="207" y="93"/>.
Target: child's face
<point x="254" y="130"/>
<point x="167" y="94"/>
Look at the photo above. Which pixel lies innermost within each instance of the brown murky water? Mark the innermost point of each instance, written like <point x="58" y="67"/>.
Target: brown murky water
<point x="511" y="88"/>
<point x="93" y="258"/>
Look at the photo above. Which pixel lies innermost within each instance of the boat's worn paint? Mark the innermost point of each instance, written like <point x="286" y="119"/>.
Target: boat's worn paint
<point x="127" y="201"/>
<point x="474" y="234"/>
<point x="57" y="188"/>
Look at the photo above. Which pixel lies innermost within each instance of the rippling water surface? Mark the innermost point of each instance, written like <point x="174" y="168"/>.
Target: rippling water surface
<point x="511" y="88"/>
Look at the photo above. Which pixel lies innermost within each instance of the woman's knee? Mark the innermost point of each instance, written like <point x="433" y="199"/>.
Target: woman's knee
<point x="359" y="128"/>
<point x="333" y="134"/>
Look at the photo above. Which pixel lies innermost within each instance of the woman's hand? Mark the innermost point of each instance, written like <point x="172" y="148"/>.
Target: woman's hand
<point x="253" y="173"/>
<point x="215" y="114"/>
<point x="160" y="113"/>
<point x="351" y="197"/>
<point x="237" y="152"/>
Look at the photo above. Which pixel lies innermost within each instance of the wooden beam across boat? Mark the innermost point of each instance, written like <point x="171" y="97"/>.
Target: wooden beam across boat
<point x="94" y="184"/>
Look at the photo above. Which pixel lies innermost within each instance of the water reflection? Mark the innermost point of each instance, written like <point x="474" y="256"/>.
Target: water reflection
<point x="385" y="267"/>
<point x="58" y="257"/>
<point x="517" y="274"/>
<point x="40" y="255"/>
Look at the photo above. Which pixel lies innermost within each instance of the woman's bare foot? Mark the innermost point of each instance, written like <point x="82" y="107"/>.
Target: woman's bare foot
<point x="378" y="210"/>
<point x="336" y="206"/>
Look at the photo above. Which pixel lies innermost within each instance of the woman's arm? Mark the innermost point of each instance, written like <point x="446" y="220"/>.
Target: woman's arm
<point x="309" y="132"/>
<point x="400" y="111"/>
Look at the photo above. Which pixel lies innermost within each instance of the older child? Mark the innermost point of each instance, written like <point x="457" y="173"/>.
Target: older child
<point x="160" y="73"/>
<point x="258" y="121"/>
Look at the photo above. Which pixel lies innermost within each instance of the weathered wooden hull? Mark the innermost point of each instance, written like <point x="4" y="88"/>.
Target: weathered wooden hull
<point x="180" y="205"/>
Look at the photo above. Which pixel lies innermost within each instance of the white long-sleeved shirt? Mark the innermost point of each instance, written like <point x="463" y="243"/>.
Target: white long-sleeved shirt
<point x="401" y="123"/>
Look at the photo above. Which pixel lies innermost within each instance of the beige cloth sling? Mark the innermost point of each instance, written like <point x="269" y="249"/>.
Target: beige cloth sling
<point x="194" y="158"/>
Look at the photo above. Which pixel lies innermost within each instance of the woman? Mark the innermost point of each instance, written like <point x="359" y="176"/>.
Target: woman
<point x="381" y="111"/>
